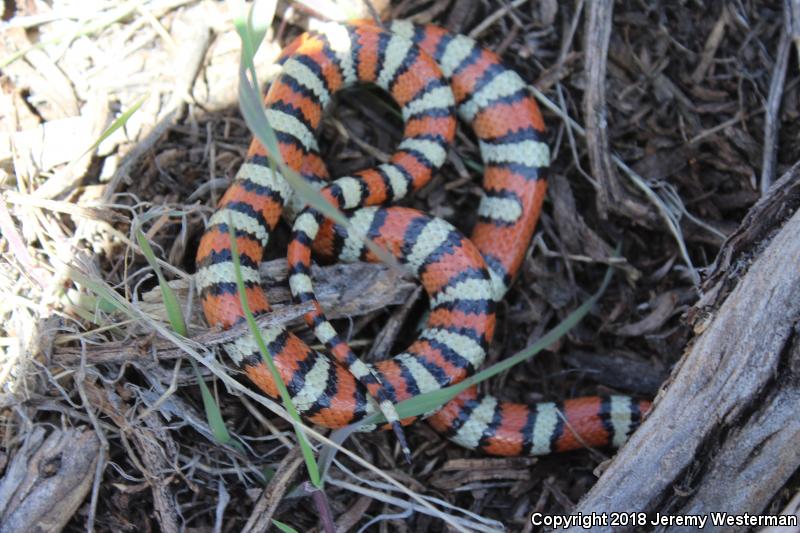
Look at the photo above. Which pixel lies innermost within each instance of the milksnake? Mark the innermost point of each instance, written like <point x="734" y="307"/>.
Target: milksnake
<point x="431" y="74"/>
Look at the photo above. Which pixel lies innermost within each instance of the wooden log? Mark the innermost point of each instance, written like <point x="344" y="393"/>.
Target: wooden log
<point x="723" y="433"/>
<point x="48" y="479"/>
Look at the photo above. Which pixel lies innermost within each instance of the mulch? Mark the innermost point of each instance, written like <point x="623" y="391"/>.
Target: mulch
<point x="697" y="102"/>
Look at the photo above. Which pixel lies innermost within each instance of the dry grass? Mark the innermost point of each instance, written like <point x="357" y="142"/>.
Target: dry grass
<point x="701" y="110"/>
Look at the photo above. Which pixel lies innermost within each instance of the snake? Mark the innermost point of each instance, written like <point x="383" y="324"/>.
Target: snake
<point x="433" y="76"/>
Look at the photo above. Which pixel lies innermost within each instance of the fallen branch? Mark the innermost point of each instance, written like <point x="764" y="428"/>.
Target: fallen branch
<point x="343" y="290"/>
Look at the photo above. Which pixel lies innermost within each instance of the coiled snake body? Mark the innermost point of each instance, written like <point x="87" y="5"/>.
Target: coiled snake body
<point x="431" y="74"/>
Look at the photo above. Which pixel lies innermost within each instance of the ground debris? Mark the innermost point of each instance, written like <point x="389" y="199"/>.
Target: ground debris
<point x="667" y="122"/>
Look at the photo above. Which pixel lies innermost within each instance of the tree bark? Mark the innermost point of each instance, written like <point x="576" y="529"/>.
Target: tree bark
<point x="48" y="479"/>
<point x="723" y="433"/>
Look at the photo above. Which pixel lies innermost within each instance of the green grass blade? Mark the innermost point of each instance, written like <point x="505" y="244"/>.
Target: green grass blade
<point x="85" y="305"/>
<point x="305" y="447"/>
<point x="213" y="413"/>
<point x="286" y="528"/>
<point x="252" y="107"/>
<point x="80" y="299"/>
<point x="256" y="119"/>
<point x="253" y="27"/>
<point x="108" y="299"/>
<point x="425" y="403"/>
<point x="174" y="312"/>
<point x="117" y="124"/>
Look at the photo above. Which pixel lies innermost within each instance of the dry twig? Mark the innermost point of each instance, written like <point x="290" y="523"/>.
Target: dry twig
<point x="773" y="105"/>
